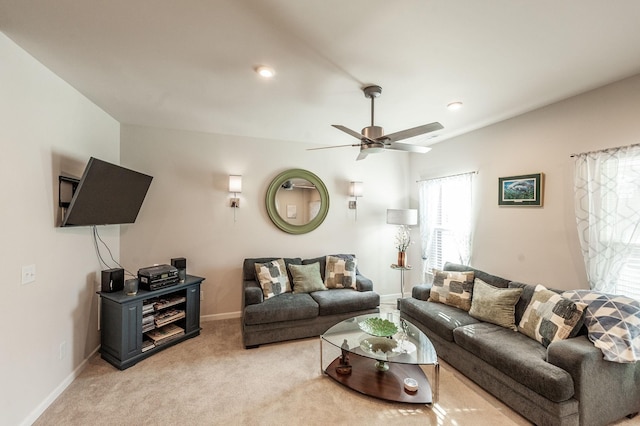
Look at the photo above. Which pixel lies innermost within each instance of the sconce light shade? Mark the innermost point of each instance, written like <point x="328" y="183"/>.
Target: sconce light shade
<point x="356" y="189"/>
<point x="235" y="183"/>
<point x="402" y="217"/>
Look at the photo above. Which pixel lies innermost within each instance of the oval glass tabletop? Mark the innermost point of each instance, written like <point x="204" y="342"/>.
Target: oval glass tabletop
<point x="408" y="345"/>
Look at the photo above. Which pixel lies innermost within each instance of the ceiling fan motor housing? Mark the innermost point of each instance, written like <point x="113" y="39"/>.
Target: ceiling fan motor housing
<point x="372" y="132"/>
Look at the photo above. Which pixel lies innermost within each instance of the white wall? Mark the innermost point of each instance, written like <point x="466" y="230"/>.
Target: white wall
<point x="187" y="213"/>
<point x="530" y="244"/>
<point x="46" y="127"/>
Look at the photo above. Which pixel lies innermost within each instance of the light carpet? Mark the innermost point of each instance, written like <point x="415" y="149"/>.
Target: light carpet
<point x="212" y="380"/>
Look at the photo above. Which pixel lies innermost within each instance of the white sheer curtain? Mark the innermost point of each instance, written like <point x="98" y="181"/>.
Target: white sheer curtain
<point x="607" y="208"/>
<point x="445" y="221"/>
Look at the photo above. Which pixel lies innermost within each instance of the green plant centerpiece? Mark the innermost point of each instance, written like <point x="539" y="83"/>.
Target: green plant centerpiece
<point x="378" y="327"/>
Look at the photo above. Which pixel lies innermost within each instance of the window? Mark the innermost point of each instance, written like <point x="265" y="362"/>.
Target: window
<point x="607" y="203"/>
<point x="445" y="221"/>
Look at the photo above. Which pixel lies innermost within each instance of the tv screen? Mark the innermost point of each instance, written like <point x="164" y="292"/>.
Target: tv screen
<point x="107" y="194"/>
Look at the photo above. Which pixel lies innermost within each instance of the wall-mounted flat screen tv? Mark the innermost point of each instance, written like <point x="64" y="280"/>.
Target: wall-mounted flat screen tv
<point x="106" y="194"/>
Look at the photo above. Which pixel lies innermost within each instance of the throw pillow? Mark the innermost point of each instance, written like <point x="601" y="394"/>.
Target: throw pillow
<point x="613" y="323"/>
<point x="340" y="273"/>
<point x="273" y="278"/>
<point x="550" y="317"/>
<point x="306" y="278"/>
<point x="494" y="304"/>
<point x="452" y="288"/>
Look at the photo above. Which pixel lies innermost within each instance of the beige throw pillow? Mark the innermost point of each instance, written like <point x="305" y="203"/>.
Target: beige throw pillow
<point x="495" y="305"/>
<point x="273" y="278"/>
<point x="340" y="273"/>
<point x="452" y="288"/>
<point x="549" y="316"/>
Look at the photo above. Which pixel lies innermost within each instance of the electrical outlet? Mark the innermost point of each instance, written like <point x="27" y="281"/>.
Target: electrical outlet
<point x="63" y="350"/>
<point x="28" y="274"/>
<point x="201" y="295"/>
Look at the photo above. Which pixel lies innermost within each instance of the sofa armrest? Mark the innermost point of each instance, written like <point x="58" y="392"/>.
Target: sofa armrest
<point x="363" y="283"/>
<point x="421" y="292"/>
<point x="607" y="390"/>
<point x="252" y="293"/>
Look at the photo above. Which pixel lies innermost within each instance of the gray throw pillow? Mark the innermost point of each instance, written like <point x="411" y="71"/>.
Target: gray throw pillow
<point x="306" y="278"/>
<point x="494" y="305"/>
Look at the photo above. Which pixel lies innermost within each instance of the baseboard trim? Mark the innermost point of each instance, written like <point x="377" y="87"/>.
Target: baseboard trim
<point x="218" y="317"/>
<point x="37" y="412"/>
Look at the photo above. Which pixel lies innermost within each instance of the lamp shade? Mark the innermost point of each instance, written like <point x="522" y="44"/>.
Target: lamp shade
<point x="235" y="183"/>
<point x="356" y="189"/>
<point x="402" y="216"/>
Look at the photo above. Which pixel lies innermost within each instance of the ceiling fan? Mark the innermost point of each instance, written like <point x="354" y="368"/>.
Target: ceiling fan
<point x="373" y="139"/>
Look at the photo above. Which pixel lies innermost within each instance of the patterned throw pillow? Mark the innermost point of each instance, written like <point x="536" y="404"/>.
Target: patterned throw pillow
<point x="306" y="278"/>
<point x="452" y="288"/>
<point x="340" y="273"/>
<point x="495" y="305"/>
<point x="613" y="323"/>
<point x="549" y="316"/>
<point x="273" y="278"/>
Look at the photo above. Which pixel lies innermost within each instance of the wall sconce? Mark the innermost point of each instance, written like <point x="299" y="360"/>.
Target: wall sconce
<point x="235" y="187"/>
<point x="356" y="189"/>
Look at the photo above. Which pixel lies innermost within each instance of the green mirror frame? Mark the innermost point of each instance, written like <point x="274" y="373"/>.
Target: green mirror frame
<point x="271" y="201"/>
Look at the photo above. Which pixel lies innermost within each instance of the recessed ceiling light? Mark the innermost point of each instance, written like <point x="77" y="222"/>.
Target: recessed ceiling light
<point x="265" y="72"/>
<point x="453" y="106"/>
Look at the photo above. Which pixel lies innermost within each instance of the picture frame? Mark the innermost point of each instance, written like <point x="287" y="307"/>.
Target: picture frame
<point x="523" y="190"/>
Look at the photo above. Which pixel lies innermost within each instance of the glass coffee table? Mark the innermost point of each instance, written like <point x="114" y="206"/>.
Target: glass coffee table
<point x="383" y="356"/>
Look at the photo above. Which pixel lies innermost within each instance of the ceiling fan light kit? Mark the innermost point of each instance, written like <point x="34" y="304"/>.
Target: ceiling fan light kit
<point x="373" y="139"/>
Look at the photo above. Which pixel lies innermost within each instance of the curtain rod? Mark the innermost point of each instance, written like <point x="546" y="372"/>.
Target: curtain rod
<point x="475" y="172"/>
<point x="605" y="150"/>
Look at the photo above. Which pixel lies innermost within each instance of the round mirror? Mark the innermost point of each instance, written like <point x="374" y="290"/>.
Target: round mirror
<point x="297" y="201"/>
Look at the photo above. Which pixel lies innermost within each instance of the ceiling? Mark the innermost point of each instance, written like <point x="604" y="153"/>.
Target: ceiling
<point x="189" y="64"/>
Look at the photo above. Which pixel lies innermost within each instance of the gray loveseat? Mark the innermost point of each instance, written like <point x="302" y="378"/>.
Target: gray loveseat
<point x="291" y="315"/>
<point x="566" y="383"/>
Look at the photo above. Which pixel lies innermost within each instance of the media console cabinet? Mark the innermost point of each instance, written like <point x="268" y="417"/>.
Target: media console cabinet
<point x="136" y="327"/>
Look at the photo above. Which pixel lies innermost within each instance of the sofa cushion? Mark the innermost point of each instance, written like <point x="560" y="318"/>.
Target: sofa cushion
<point x="452" y="288"/>
<point x="286" y="307"/>
<point x="340" y="273"/>
<point x="273" y="277"/>
<point x="613" y="323"/>
<point x="517" y="356"/>
<point x="306" y="278"/>
<point x="440" y="319"/>
<point x="343" y="300"/>
<point x="494" y="304"/>
<point x="550" y="317"/>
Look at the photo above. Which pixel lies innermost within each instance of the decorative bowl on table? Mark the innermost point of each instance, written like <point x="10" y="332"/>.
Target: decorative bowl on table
<point x="380" y="346"/>
<point x="378" y="327"/>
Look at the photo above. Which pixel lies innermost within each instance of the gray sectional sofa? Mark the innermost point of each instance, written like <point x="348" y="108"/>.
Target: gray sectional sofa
<point x="566" y="383"/>
<point x="292" y="315"/>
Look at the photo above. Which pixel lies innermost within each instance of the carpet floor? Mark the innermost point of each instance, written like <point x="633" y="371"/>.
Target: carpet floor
<point x="212" y="380"/>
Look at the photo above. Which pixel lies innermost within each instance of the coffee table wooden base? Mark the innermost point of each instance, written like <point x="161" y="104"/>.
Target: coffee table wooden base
<point x="388" y="385"/>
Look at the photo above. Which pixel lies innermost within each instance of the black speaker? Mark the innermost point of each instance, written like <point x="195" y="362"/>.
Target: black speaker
<point x="180" y="263"/>
<point x="112" y="280"/>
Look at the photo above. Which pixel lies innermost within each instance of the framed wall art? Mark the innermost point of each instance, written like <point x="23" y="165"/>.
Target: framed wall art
<point x="524" y="190"/>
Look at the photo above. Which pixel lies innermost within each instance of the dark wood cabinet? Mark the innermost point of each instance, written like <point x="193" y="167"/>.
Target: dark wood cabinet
<point x="136" y="327"/>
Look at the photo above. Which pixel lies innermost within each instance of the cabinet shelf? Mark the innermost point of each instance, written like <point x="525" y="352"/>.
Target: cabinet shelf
<point x="129" y="336"/>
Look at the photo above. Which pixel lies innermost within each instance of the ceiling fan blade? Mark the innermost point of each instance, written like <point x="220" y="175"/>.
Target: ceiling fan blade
<point x="361" y="156"/>
<point x="409" y="148"/>
<point x="409" y="133"/>
<point x="334" y="146"/>
<point x="352" y="132"/>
